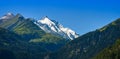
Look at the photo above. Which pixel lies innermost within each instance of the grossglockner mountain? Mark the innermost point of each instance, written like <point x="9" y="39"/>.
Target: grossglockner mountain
<point x="54" y="27"/>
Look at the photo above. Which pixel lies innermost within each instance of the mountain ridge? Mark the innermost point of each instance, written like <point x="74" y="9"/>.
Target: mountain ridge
<point x="46" y="24"/>
<point x="52" y="26"/>
<point x="31" y="33"/>
<point x="91" y="43"/>
<point x="43" y="45"/>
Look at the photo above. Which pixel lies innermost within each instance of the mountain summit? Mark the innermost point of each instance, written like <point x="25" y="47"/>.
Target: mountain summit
<point x="52" y="26"/>
<point x="7" y="16"/>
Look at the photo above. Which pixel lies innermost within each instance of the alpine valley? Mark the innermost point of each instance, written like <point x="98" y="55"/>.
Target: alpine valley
<point x="27" y="38"/>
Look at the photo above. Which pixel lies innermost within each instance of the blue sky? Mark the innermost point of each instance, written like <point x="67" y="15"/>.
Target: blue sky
<point x="80" y="15"/>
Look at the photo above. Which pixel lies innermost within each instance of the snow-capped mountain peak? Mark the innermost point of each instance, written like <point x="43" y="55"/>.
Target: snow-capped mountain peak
<point x="7" y="16"/>
<point x="52" y="26"/>
<point x="46" y="20"/>
<point x="9" y="13"/>
<point x="71" y="34"/>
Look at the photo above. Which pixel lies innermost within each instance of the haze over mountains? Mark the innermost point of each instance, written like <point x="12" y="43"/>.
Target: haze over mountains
<point x="26" y="38"/>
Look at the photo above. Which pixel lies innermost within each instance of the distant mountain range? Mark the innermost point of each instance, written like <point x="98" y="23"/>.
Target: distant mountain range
<point x="27" y="38"/>
<point x="49" y="26"/>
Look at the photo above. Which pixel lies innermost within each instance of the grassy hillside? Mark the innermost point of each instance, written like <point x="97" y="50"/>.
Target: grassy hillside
<point x="50" y="42"/>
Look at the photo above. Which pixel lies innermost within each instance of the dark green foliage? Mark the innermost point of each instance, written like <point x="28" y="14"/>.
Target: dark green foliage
<point x="88" y="45"/>
<point x="5" y="54"/>
<point x="48" y="38"/>
<point x="7" y="38"/>
<point x="12" y="47"/>
<point x="112" y="52"/>
<point x="50" y="42"/>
